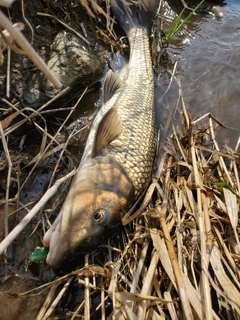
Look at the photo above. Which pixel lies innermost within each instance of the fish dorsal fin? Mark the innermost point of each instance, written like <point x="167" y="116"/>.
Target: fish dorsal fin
<point x="111" y="84"/>
<point x="109" y="129"/>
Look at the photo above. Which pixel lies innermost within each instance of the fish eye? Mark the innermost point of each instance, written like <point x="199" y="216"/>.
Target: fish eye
<point x="99" y="216"/>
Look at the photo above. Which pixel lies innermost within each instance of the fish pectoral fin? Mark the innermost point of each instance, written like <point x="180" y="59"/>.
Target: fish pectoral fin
<point x="111" y="84"/>
<point x="110" y="128"/>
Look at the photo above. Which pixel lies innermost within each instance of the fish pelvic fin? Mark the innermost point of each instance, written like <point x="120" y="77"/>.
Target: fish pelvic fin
<point x="110" y="128"/>
<point x="131" y="15"/>
<point x="111" y="84"/>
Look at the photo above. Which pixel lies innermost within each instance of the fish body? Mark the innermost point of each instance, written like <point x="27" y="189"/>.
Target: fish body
<point x="117" y="161"/>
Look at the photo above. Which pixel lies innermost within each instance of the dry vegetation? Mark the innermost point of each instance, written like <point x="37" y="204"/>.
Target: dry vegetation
<point x="178" y="256"/>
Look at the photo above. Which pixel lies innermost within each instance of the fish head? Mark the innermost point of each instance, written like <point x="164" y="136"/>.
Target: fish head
<point x="91" y="209"/>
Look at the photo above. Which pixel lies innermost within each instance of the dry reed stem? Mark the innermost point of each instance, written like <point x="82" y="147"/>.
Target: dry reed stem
<point x="205" y="288"/>
<point x="147" y="286"/>
<point x="171" y="81"/>
<point x="103" y="303"/>
<point x="86" y="292"/>
<point x="34" y="112"/>
<point x="65" y="25"/>
<point x="174" y="261"/>
<point x="221" y="162"/>
<point x="230" y="291"/>
<point x="57" y="299"/>
<point x="233" y="211"/>
<point x="231" y="261"/>
<point x="6" y="150"/>
<point x="77" y="311"/>
<point x="140" y="266"/>
<point x="26" y="20"/>
<point x="8" y="78"/>
<point x="46" y="303"/>
<point x="170" y="306"/>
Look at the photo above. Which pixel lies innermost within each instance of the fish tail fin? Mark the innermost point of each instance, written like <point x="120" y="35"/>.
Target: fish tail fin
<point x="131" y="15"/>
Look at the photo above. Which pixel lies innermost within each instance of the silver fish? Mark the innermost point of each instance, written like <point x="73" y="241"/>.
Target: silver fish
<point x="118" y="158"/>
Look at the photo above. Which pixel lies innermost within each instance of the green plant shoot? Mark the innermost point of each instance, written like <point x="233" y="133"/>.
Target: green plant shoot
<point x="178" y="24"/>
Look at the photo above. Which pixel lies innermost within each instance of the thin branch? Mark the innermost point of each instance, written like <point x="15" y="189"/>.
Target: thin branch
<point x="64" y="24"/>
<point x="5" y="147"/>
<point x="28" y="49"/>
<point x="19" y="228"/>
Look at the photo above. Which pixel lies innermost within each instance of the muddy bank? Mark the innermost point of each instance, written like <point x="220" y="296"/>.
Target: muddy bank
<point x="41" y="31"/>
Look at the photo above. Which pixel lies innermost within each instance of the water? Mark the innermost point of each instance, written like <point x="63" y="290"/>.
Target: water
<point x="208" y="53"/>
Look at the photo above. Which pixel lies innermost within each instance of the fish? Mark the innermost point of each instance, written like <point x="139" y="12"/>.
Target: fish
<point x="118" y="158"/>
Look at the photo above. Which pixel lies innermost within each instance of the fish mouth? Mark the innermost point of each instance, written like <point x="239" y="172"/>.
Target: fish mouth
<point x="51" y="240"/>
<point x="61" y="248"/>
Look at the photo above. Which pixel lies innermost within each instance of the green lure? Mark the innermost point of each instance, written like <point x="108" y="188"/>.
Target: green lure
<point x="39" y="255"/>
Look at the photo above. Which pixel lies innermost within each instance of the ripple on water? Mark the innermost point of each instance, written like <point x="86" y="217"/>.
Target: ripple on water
<point x="209" y="63"/>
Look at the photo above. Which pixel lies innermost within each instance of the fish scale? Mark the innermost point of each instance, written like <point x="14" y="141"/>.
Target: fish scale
<point x="135" y="148"/>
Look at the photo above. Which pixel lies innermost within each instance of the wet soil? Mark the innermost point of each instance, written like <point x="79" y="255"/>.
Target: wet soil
<point x="41" y="34"/>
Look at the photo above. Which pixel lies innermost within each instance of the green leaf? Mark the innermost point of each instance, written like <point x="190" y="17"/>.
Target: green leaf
<point x="177" y="25"/>
<point x="226" y="186"/>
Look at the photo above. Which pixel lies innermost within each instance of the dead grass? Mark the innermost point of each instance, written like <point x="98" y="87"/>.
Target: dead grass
<point x="182" y="255"/>
<point x="178" y="256"/>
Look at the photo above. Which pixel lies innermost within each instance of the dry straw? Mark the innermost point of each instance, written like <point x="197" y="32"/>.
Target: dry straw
<point x="179" y="251"/>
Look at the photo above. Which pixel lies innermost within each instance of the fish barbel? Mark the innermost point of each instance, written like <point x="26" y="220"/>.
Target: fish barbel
<point x="117" y="161"/>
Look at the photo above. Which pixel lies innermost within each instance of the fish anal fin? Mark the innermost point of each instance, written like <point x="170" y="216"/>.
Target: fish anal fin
<point x="110" y="128"/>
<point x="111" y="84"/>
